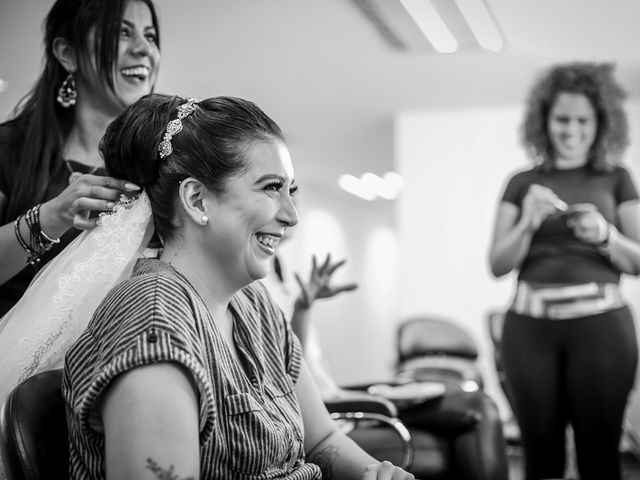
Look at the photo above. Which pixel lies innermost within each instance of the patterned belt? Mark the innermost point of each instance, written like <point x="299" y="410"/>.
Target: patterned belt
<point x="563" y="302"/>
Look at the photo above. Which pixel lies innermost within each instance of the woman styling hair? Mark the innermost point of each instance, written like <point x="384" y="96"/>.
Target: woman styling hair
<point x="100" y="56"/>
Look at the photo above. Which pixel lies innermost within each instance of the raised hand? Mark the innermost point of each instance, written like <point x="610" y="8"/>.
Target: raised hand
<point x="319" y="283"/>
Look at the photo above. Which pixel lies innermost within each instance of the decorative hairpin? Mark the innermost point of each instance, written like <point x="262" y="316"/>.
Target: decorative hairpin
<point x="175" y="126"/>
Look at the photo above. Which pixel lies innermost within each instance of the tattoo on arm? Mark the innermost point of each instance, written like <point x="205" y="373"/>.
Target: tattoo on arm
<point x="325" y="459"/>
<point x="161" y="473"/>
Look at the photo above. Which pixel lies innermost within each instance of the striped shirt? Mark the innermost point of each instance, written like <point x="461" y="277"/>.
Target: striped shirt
<point x="250" y="424"/>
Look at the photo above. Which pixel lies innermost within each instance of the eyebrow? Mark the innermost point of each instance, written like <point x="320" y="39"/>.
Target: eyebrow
<point x="129" y="23"/>
<point x="274" y="176"/>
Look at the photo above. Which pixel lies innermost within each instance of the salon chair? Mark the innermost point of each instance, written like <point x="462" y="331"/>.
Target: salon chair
<point x="457" y="435"/>
<point x="433" y="348"/>
<point x="33" y="430"/>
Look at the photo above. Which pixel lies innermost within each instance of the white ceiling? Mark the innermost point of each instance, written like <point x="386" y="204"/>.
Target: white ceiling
<point x="326" y="75"/>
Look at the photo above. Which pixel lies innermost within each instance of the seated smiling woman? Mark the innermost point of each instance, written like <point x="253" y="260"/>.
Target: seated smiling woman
<point x="188" y="370"/>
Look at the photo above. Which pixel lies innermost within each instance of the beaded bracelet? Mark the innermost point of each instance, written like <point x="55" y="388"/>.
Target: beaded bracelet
<point x="39" y="242"/>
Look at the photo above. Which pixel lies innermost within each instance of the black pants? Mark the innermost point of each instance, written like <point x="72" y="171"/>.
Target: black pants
<point x="578" y="371"/>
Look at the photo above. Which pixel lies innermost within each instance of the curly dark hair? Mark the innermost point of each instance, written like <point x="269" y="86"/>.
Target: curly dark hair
<point x="597" y="83"/>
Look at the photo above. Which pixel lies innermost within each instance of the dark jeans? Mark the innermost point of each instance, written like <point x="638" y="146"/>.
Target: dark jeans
<point x="579" y="372"/>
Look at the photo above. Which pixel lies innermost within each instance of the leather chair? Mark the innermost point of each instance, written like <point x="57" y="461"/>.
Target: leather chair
<point x="438" y="349"/>
<point x="33" y="430"/>
<point x="458" y="435"/>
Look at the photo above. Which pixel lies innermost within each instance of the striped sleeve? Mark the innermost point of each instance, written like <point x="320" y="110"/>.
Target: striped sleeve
<point x="146" y="320"/>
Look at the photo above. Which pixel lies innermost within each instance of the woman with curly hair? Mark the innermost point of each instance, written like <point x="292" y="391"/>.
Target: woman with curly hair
<point x="570" y="226"/>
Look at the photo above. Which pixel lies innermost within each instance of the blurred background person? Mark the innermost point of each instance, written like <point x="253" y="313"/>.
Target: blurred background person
<point x="570" y="226"/>
<point x="100" y="56"/>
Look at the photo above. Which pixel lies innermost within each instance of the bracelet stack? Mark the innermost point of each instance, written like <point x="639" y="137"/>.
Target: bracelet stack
<point x="39" y="242"/>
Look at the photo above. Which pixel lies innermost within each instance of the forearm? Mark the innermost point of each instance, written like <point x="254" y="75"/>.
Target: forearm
<point x="14" y="257"/>
<point x="300" y="323"/>
<point x="511" y="250"/>
<point x="625" y="254"/>
<point x="13" y="254"/>
<point x="339" y="457"/>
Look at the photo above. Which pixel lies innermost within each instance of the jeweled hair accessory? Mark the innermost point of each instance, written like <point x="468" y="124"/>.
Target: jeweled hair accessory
<point x="175" y="126"/>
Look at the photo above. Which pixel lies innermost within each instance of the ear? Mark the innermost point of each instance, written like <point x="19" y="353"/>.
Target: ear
<point x="191" y="194"/>
<point x="65" y="54"/>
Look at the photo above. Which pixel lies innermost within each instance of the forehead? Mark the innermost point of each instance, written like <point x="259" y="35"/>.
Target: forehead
<point x="576" y="103"/>
<point x="268" y="157"/>
<point x="136" y="11"/>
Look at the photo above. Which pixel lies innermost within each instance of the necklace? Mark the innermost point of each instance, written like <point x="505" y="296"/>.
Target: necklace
<point x="93" y="170"/>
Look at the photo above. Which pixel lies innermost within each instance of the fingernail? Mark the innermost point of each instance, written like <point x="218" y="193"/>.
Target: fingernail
<point x="131" y="186"/>
<point x="111" y="204"/>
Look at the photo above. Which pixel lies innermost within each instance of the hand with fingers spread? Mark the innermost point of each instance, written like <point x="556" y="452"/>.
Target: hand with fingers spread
<point x="385" y="471"/>
<point x="319" y="283"/>
<point x="85" y="193"/>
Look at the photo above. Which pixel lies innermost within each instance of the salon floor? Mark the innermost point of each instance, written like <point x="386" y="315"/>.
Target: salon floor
<point x="630" y="462"/>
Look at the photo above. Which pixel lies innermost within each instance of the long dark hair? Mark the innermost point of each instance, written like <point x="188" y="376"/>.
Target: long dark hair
<point x="596" y="82"/>
<point x="210" y="147"/>
<point x="39" y="125"/>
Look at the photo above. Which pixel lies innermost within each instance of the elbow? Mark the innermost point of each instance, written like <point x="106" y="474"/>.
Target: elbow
<point x="497" y="269"/>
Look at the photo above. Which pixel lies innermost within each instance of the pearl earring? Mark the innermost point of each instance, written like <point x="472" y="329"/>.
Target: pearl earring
<point x="204" y="220"/>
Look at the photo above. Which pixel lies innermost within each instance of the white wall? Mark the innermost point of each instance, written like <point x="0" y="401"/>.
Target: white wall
<point x="456" y="163"/>
<point x="355" y="328"/>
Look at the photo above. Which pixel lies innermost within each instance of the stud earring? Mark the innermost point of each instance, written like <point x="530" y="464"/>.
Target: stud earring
<point x="204" y="220"/>
<point x="67" y="93"/>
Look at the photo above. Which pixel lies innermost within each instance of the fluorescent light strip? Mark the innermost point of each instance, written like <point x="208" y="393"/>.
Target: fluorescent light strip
<point x="431" y="24"/>
<point x="481" y="24"/>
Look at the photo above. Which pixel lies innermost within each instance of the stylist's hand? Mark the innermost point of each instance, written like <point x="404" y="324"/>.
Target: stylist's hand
<point x="538" y="204"/>
<point x="85" y="193"/>
<point x="319" y="283"/>
<point x="385" y="471"/>
<point x="589" y="226"/>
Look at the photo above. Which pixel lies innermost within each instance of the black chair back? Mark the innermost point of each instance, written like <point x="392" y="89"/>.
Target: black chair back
<point x="33" y="430"/>
<point x="426" y="335"/>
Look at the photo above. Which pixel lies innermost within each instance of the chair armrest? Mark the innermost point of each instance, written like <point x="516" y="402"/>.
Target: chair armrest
<point x="362" y="402"/>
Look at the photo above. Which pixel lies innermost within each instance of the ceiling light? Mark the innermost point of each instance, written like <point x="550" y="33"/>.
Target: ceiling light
<point x="371" y="186"/>
<point x="431" y="24"/>
<point x="3" y="85"/>
<point x="356" y="187"/>
<point x="481" y="24"/>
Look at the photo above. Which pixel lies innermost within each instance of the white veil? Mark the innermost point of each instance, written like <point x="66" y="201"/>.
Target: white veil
<point x="57" y="306"/>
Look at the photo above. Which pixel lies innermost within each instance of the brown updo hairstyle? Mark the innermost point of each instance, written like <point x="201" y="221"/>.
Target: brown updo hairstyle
<point x="596" y="82"/>
<point x="210" y="147"/>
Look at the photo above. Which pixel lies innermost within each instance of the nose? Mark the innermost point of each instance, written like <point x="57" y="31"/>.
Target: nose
<point x="288" y="213"/>
<point x="140" y="45"/>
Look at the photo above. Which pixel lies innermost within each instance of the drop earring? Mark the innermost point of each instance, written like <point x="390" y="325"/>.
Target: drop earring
<point x="204" y="220"/>
<point x="67" y="93"/>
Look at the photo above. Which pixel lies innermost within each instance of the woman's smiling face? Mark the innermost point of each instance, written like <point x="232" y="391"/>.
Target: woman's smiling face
<point x="135" y="69"/>
<point x="248" y="219"/>
<point x="572" y="127"/>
